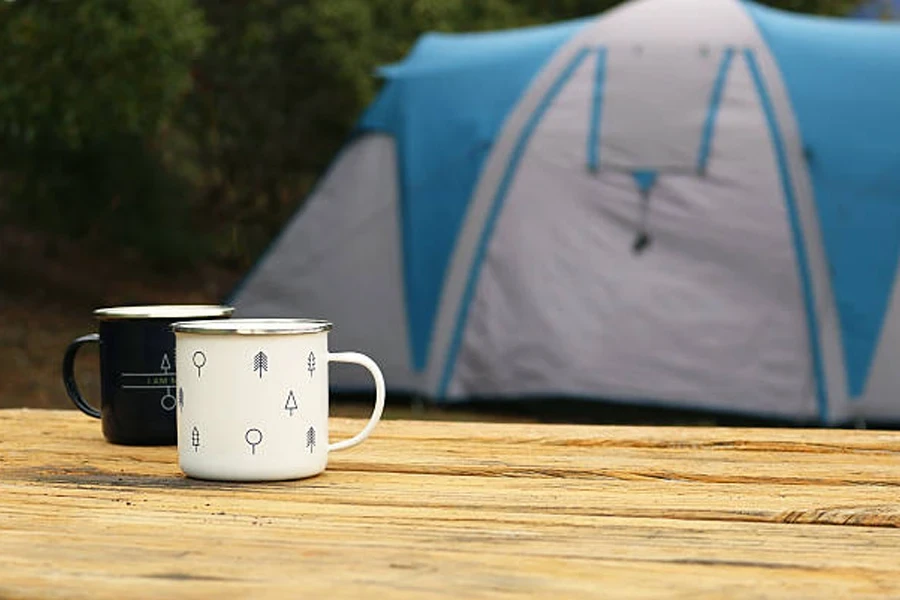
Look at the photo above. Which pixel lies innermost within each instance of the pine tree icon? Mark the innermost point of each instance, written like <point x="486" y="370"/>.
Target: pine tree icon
<point x="311" y="439"/>
<point x="291" y="404"/>
<point x="260" y="363"/>
<point x="311" y="363"/>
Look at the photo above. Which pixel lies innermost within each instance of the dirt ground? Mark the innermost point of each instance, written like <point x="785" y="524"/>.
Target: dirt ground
<point x="48" y="289"/>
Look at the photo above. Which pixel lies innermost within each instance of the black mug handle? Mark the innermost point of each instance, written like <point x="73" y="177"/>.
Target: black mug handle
<point x="68" y="370"/>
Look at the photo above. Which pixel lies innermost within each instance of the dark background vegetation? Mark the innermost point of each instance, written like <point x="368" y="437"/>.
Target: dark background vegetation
<point x="150" y="150"/>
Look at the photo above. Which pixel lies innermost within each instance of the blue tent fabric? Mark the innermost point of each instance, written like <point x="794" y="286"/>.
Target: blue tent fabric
<point x="593" y="138"/>
<point x="444" y="105"/>
<point x="846" y="98"/>
<point x="714" y="101"/>
<point x="787" y="187"/>
<point x="645" y="180"/>
<point x="502" y="190"/>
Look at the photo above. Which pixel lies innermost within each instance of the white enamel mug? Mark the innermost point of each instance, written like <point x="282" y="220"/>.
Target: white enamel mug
<point x="252" y="399"/>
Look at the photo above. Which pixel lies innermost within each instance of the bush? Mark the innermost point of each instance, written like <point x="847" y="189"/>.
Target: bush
<point x="88" y="91"/>
<point x="279" y="89"/>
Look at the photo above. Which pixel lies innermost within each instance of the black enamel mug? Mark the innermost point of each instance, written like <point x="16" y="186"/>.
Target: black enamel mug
<point x="137" y="370"/>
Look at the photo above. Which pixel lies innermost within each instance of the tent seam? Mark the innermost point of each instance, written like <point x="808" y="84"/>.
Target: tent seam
<point x="715" y="100"/>
<point x="593" y="141"/>
<point x="796" y="229"/>
<point x="494" y="212"/>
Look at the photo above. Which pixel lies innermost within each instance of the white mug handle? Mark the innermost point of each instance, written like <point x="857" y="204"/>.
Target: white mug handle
<point x="361" y="359"/>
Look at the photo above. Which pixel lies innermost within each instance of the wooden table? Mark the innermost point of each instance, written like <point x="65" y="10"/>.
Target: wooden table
<point x="459" y="510"/>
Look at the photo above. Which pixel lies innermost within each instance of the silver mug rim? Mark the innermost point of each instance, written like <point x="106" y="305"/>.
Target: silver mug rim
<point x="163" y="311"/>
<point x="254" y="326"/>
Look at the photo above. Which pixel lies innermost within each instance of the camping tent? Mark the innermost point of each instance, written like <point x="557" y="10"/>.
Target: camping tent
<point x="691" y="203"/>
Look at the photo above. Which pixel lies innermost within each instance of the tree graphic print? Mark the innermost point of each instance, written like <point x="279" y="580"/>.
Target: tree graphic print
<point x="291" y="404"/>
<point x="260" y="363"/>
<point x="311" y="363"/>
<point x="311" y="438"/>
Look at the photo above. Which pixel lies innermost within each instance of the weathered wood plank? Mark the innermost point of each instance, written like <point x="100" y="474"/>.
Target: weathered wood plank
<point x="713" y="479"/>
<point x="530" y="450"/>
<point x="437" y="510"/>
<point x="783" y="439"/>
<point x="836" y="505"/>
<point x="454" y="554"/>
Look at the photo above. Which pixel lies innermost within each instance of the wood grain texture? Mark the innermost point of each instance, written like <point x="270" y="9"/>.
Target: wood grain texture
<point x="459" y="510"/>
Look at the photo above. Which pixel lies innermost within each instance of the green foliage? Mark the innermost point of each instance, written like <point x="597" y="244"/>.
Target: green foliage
<point x="158" y="124"/>
<point x="279" y="89"/>
<point x="88" y="89"/>
<point x="94" y="68"/>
